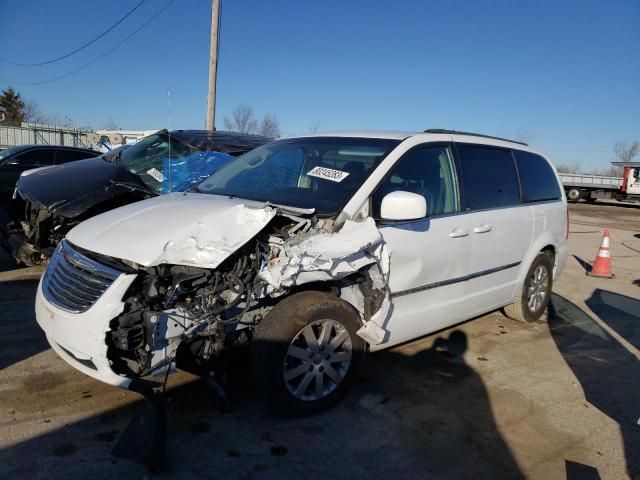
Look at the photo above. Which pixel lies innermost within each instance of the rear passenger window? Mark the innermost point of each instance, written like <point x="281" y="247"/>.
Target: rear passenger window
<point x="538" y="180"/>
<point x="489" y="177"/>
<point x="427" y="171"/>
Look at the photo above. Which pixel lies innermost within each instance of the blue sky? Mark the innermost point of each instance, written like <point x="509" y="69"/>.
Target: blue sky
<point x="565" y="72"/>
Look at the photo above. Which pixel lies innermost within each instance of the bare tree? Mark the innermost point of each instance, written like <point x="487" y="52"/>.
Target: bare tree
<point x="269" y="126"/>
<point x="523" y="135"/>
<point x="611" y="171"/>
<point x="110" y="124"/>
<point x="67" y="121"/>
<point x="57" y="120"/>
<point x="574" y="167"/>
<point x="20" y="110"/>
<point x="242" y="120"/>
<point x="32" y="113"/>
<point x="314" y="127"/>
<point x="625" y="151"/>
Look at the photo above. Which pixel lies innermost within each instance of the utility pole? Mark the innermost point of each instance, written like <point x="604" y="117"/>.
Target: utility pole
<point x="213" y="65"/>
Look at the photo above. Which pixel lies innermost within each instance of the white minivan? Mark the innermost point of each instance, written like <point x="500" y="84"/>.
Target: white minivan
<point x="308" y="253"/>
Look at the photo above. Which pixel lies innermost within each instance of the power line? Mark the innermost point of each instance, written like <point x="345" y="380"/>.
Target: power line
<point x="119" y="44"/>
<point x="77" y="49"/>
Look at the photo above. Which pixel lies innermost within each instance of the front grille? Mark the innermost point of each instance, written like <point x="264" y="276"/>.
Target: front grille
<point x="75" y="282"/>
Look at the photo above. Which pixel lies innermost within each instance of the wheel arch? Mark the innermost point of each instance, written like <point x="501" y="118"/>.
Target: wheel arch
<point x="545" y="243"/>
<point x="345" y="289"/>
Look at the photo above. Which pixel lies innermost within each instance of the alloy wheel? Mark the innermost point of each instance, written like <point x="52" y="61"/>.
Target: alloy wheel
<point x="538" y="288"/>
<point x="317" y="360"/>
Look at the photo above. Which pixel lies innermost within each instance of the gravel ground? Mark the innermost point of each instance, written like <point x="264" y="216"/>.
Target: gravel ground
<point x="489" y="398"/>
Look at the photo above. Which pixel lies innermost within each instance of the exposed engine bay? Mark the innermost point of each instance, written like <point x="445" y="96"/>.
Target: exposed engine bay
<point x="33" y="235"/>
<point x="193" y="316"/>
<point x="30" y="235"/>
<point x="42" y="231"/>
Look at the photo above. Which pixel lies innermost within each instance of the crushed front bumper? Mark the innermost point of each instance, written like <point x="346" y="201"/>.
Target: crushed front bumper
<point x="80" y="338"/>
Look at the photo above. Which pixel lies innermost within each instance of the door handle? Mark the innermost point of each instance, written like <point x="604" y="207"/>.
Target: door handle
<point x="484" y="228"/>
<point x="458" y="232"/>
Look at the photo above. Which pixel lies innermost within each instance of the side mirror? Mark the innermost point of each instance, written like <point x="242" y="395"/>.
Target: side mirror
<point x="401" y="205"/>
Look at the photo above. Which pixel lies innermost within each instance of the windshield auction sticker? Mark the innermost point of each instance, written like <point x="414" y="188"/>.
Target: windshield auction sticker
<point x="157" y="174"/>
<point x="328" y="174"/>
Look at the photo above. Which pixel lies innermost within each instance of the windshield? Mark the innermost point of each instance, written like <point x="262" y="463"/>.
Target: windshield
<point x="166" y="164"/>
<point x="320" y="173"/>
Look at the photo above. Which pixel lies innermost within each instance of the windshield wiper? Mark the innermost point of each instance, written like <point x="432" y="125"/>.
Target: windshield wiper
<point x="132" y="186"/>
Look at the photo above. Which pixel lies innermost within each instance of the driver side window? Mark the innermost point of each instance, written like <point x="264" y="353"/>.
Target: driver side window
<point x="428" y="171"/>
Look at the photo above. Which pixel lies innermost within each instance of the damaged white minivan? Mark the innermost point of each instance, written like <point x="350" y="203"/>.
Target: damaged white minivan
<point x="308" y="253"/>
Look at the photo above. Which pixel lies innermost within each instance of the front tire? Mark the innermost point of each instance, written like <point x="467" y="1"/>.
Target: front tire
<point x="534" y="294"/>
<point x="306" y="353"/>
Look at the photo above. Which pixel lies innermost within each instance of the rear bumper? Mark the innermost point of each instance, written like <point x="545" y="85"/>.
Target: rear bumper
<point x="80" y="339"/>
<point x="563" y="254"/>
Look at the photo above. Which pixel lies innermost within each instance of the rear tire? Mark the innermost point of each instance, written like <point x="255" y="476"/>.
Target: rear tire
<point x="534" y="294"/>
<point x="306" y="353"/>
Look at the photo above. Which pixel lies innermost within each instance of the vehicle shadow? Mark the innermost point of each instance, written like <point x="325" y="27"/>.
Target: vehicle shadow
<point x="437" y="407"/>
<point x="6" y="261"/>
<point x="20" y="336"/>
<point x="608" y="372"/>
<point x="410" y="416"/>
<point x="584" y="264"/>
<point x="620" y="312"/>
<point x="578" y="471"/>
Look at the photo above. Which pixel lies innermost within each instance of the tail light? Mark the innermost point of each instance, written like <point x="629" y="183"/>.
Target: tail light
<point x="566" y="235"/>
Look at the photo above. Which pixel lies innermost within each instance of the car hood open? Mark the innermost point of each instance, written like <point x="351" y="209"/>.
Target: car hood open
<point x="73" y="188"/>
<point x="179" y="228"/>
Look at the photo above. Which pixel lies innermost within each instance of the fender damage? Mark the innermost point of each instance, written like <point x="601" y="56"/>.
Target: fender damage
<point x="200" y="293"/>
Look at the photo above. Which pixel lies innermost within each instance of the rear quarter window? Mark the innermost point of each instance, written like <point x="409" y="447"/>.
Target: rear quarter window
<point x="538" y="180"/>
<point x="489" y="177"/>
<point x="64" y="155"/>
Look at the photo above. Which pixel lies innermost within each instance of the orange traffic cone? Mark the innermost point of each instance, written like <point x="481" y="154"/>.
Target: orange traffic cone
<point x="602" y="263"/>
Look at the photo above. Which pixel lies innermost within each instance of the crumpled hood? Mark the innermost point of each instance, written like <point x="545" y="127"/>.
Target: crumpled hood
<point x="73" y="188"/>
<point x="179" y="228"/>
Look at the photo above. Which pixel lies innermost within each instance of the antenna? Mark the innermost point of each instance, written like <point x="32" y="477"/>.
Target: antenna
<point x="169" y="134"/>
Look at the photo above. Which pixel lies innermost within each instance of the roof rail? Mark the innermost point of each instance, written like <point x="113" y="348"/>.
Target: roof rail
<point x="456" y="132"/>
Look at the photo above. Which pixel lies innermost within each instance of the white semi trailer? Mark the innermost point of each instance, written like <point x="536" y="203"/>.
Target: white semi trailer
<point x="599" y="187"/>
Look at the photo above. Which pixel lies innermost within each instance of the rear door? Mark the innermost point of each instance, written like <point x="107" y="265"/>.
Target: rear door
<point x="501" y="227"/>
<point x="429" y="256"/>
<point x="541" y="190"/>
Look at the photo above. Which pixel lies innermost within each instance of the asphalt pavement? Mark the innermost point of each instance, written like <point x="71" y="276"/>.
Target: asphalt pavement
<point x="490" y="398"/>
